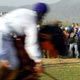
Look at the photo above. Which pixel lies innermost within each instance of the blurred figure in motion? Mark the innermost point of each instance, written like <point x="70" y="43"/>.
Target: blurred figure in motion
<point x="21" y="22"/>
<point x="52" y="39"/>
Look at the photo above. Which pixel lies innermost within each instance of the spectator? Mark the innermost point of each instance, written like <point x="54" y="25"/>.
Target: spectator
<point x="73" y="48"/>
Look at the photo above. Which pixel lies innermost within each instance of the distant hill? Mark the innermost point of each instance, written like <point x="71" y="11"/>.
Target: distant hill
<point x="6" y="8"/>
<point x="64" y="10"/>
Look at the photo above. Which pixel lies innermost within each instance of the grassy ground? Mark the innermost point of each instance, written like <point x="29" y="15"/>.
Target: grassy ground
<point x="61" y="69"/>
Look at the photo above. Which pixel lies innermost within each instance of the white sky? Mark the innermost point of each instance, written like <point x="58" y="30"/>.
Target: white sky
<point x="18" y="3"/>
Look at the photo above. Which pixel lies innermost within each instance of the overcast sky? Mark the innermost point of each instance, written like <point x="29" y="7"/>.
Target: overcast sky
<point x="18" y="3"/>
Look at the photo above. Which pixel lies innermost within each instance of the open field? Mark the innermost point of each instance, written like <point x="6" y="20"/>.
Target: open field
<point x="61" y="69"/>
<point x="59" y="60"/>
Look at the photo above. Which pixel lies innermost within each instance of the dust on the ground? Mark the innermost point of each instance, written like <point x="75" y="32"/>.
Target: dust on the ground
<point x="59" y="60"/>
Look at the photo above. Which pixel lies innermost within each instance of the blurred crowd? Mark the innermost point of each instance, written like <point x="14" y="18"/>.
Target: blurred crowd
<point x="70" y="37"/>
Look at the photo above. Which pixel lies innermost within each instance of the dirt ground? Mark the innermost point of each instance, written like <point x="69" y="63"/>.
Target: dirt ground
<point x="59" y="60"/>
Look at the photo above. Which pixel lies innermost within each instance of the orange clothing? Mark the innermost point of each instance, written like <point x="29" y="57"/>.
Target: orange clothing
<point x="46" y="45"/>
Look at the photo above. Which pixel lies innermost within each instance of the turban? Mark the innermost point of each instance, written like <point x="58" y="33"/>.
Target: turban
<point x="41" y="8"/>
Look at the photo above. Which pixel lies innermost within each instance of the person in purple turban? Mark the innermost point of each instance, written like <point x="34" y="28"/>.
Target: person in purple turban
<point x="21" y="22"/>
<point x="41" y="9"/>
